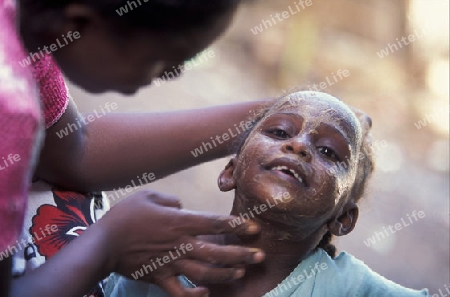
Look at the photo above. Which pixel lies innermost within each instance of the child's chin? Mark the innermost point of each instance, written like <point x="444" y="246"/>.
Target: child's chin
<point x="276" y="199"/>
<point x="279" y="219"/>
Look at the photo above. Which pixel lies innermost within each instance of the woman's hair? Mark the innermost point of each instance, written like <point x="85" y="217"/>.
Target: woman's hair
<point x="158" y="15"/>
<point x="364" y="169"/>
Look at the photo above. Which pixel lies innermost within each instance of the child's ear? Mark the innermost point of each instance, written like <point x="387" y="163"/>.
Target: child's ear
<point x="226" y="180"/>
<point x="346" y="221"/>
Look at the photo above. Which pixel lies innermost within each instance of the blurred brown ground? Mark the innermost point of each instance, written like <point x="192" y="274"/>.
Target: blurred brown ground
<point x="397" y="91"/>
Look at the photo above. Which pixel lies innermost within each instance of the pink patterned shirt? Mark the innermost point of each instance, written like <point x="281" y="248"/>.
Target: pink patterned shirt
<point x="36" y="220"/>
<point x="21" y="123"/>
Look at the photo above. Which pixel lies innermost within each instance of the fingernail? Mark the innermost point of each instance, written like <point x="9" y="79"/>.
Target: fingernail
<point x="239" y="273"/>
<point x="258" y="255"/>
<point x="252" y="229"/>
<point x="207" y="294"/>
<point x="253" y="250"/>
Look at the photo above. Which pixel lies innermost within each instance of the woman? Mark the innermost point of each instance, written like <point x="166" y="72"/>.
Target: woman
<point x="102" y="50"/>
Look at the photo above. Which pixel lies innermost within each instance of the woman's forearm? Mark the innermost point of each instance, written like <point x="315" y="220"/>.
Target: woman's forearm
<point x="71" y="272"/>
<point x="116" y="149"/>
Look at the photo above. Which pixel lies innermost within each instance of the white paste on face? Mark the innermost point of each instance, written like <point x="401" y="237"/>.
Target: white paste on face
<point x="313" y="118"/>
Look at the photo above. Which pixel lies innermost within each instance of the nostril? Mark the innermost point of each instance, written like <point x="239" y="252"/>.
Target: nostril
<point x="289" y="148"/>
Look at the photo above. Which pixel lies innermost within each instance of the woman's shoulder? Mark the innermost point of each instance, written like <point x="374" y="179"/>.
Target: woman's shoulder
<point x="22" y="74"/>
<point x="53" y="90"/>
<point x="20" y="123"/>
<point x="17" y="89"/>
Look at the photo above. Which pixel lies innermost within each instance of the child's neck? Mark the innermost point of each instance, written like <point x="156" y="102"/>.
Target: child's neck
<point x="260" y="278"/>
<point x="282" y="256"/>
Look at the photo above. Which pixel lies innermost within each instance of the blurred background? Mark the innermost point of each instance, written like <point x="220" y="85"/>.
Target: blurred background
<point x="402" y="84"/>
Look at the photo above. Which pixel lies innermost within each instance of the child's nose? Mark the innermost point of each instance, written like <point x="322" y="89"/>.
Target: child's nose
<point x="298" y="146"/>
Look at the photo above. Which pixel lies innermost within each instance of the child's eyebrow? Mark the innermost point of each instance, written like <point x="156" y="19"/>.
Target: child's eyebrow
<point x="337" y="128"/>
<point x="340" y="132"/>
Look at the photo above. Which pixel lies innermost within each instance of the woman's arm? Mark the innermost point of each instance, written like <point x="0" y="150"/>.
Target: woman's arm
<point x="5" y="276"/>
<point x="143" y="228"/>
<point x="114" y="149"/>
<point x="71" y="272"/>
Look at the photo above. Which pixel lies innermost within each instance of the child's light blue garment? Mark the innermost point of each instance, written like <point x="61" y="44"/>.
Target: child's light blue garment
<point x="317" y="276"/>
<point x="119" y="286"/>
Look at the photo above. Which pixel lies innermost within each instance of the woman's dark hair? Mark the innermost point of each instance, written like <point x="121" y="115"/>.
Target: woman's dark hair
<point x="157" y="15"/>
<point x="364" y="169"/>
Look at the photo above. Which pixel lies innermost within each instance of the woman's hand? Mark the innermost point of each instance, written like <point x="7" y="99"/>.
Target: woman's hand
<point x="151" y="239"/>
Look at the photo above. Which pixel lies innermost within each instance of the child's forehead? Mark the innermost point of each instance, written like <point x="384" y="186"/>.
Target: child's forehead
<point x="315" y="106"/>
<point x="320" y="102"/>
<point x="316" y="109"/>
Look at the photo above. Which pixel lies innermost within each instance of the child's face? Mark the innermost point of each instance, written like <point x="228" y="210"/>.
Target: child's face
<point x="295" y="150"/>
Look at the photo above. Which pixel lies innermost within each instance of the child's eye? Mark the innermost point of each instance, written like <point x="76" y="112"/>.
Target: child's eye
<point x="329" y="153"/>
<point x="279" y="133"/>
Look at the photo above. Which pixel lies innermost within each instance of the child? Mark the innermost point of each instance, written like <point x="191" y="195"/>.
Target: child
<point x="299" y="173"/>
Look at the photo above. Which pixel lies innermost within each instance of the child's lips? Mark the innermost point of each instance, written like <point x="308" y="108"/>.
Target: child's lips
<point x="289" y="169"/>
<point x="289" y="172"/>
<point x="288" y="178"/>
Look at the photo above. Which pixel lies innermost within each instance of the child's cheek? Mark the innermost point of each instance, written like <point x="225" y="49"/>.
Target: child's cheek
<point x="325" y="194"/>
<point x="344" y="182"/>
<point x="247" y="151"/>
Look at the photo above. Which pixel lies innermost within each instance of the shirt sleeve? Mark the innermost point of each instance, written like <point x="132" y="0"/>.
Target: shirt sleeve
<point x="375" y="285"/>
<point x="346" y="275"/>
<point x="20" y="126"/>
<point x="120" y="286"/>
<point x="52" y="89"/>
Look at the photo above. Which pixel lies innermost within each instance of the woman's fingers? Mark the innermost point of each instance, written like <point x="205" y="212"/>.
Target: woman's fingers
<point x="162" y="199"/>
<point x="205" y="273"/>
<point x="173" y="286"/>
<point x="224" y="255"/>
<point x="163" y="235"/>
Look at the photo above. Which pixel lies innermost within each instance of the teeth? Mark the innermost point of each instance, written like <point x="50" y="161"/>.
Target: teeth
<point x="280" y="168"/>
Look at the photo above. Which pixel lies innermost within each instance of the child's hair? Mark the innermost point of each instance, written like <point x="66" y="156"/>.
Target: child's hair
<point x="157" y="15"/>
<point x="364" y="170"/>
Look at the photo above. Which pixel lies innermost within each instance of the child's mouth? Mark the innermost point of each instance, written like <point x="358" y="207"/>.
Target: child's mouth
<point x="288" y="169"/>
